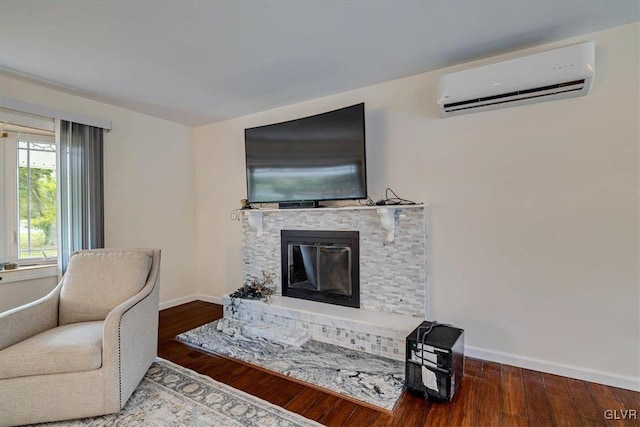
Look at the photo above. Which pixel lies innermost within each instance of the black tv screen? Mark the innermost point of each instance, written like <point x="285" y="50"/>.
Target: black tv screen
<point x="315" y="158"/>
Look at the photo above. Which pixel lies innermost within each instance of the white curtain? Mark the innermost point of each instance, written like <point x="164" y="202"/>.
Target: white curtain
<point x="81" y="190"/>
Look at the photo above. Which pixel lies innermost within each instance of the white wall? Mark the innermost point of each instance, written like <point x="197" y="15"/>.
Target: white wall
<point x="534" y="210"/>
<point x="149" y="182"/>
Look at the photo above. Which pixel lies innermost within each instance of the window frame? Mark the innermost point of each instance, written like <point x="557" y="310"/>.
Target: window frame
<point x="9" y="195"/>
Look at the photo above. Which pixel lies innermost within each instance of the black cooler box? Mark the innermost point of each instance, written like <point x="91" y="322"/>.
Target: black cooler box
<point x="435" y="360"/>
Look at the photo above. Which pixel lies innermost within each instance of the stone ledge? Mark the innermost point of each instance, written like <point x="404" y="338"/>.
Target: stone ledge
<point x="366" y="330"/>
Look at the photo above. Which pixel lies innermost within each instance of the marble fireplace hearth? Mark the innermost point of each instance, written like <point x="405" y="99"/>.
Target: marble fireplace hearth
<point x="393" y="276"/>
<point x="379" y="333"/>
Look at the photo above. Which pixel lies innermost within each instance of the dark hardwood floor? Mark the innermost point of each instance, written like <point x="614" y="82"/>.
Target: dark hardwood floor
<point x="490" y="395"/>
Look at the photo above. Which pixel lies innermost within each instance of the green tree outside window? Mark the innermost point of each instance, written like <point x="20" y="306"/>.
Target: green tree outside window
<point x="37" y="208"/>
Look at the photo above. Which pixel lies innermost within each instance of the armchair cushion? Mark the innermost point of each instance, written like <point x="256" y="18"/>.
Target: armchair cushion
<point x="70" y="348"/>
<point x="96" y="282"/>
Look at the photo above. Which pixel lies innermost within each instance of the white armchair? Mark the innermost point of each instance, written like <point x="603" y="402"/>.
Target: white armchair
<point x="81" y="350"/>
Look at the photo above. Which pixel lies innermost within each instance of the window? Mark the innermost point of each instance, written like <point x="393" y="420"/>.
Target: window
<point x="36" y="199"/>
<point x="28" y="196"/>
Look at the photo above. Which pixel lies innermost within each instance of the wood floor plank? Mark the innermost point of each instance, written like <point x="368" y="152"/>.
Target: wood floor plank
<point x="268" y="390"/>
<point x="472" y="367"/>
<point x="535" y="394"/>
<point x="513" y="420"/>
<point x="605" y="396"/>
<point x="465" y="409"/>
<point x="440" y="413"/>
<point x="283" y="391"/>
<point x="231" y="372"/>
<point x="339" y="415"/>
<point x="575" y="385"/>
<point x="609" y="404"/>
<point x="491" y="372"/>
<point x="250" y="384"/>
<point x="305" y="399"/>
<point x="361" y="417"/>
<point x="563" y="412"/>
<point x="382" y="420"/>
<point x="322" y="406"/>
<point x="409" y="409"/>
<point x="412" y="412"/>
<point x="556" y="386"/>
<point x="513" y="402"/>
<point x="631" y="401"/>
<point x="221" y="370"/>
<point x="586" y="407"/>
<point x="490" y="394"/>
<point x="532" y="376"/>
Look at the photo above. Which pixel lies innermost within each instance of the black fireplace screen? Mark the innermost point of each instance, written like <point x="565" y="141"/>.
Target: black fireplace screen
<point x="321" y="266"/>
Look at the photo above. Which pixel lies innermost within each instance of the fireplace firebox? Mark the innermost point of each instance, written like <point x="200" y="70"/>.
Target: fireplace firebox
<point x="321" y="266"/>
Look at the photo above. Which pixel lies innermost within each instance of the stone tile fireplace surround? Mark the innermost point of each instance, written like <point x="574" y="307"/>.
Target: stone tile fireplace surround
<point x="393" y="275"/>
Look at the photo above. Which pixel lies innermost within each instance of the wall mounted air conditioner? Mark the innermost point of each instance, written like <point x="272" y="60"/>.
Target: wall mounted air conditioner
<point x="556" y="74"/>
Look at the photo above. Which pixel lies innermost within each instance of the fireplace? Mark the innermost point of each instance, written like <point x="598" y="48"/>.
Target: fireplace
<point x="321" y="266"/>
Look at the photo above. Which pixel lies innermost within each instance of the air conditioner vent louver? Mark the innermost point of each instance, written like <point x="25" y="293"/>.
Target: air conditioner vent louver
<point x="557" y="74"/>
<point x="517" y="96"/>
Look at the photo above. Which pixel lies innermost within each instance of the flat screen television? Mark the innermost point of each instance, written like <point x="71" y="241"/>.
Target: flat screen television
<point x="312" y="159"/>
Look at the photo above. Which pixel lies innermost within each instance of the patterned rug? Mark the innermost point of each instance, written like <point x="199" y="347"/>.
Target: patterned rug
<point x="170" y="395"/>
<point x="374" y="380"/>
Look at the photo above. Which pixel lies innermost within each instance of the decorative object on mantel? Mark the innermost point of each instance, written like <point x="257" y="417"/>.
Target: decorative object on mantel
<point x="388" y="214"/>
<point x="260" y="289"/>
<point x="368" y="379"/>
<point x="10" y="266"/>
<point x="172" y="395"/>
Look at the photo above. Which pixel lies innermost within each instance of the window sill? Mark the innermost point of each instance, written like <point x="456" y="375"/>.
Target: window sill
<point x="28" y="273"/>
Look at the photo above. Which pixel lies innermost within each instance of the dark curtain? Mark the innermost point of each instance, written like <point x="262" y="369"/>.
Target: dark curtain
<point x="81" y="189"/>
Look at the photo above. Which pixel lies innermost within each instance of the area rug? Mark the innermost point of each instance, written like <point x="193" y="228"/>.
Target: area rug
<point x="170" y="395"/>
<point x="374" y="380"/>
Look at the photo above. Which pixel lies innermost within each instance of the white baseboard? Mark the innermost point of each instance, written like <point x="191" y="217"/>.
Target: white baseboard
<point x="209" y="298"/>
<point x="600" y="377"/>
<point x="190" y="298"/>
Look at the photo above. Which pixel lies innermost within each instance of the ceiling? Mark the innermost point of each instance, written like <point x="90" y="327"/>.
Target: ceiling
<point x="197" y="62"/>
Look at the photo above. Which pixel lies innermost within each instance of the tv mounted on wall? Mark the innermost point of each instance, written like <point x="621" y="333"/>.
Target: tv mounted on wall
<point x="302" y="162"/>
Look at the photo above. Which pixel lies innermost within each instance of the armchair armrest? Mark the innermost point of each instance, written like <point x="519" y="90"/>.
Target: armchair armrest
<point x="133" y="307"/>
<point x="30" y="319"/>
<point x="130" y="340"/>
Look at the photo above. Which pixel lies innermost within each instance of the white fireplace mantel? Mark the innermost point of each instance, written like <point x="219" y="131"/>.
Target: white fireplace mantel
<point x="387" y="214"/>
